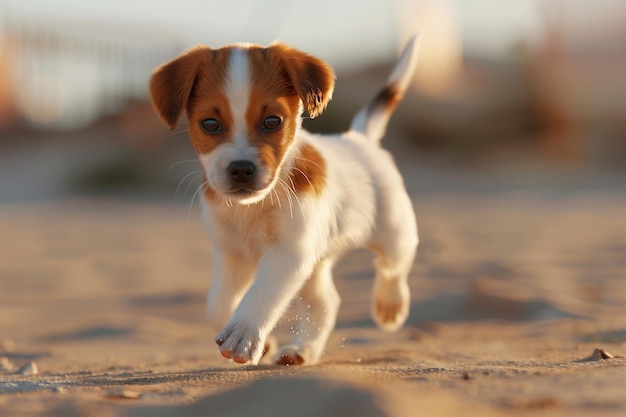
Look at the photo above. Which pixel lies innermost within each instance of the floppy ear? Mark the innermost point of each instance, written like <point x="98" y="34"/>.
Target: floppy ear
<point x="313" y="79"/>
<point x="172" y="82"/>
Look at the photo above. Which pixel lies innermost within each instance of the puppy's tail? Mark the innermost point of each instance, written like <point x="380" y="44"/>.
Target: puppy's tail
<point x="372" y="119"/>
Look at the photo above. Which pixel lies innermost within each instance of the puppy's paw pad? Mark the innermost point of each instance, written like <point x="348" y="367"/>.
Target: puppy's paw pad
<point x="290" y="356"/>
<point x="389" y="316"/>
<point x="226" y="353"/>
<point x="390" y="307"/>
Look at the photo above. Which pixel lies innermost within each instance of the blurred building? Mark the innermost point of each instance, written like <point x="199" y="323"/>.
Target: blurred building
<point x="578" y="77"/>
<point x="65" y="77"/>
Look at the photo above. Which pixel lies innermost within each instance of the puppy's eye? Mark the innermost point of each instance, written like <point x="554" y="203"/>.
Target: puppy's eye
<point x="211" y="126"/>
<point x="272" y="123"/>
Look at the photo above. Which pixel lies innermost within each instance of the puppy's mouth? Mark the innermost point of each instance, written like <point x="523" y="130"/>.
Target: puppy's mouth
<point x="242" y="191"/>
<point x="249" y="188"/>
<point x="247" y="194"/>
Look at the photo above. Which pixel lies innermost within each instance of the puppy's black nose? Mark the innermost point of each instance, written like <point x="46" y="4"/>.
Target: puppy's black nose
<point x="241" y="171"/>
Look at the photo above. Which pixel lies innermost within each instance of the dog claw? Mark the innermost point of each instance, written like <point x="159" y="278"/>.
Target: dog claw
<point x="240" y="343"/>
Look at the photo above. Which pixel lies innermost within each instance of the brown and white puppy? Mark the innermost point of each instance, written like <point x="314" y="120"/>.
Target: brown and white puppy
<point x="280" y="204"/>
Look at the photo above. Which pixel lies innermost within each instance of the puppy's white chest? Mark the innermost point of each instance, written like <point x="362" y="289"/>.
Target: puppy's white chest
<point x="246" y="230"/>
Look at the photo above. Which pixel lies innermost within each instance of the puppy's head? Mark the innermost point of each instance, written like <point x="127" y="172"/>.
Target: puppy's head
<point x="243" y="104"/>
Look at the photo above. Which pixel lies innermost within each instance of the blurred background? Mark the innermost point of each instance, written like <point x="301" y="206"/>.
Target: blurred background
<point x="532" y="90"/>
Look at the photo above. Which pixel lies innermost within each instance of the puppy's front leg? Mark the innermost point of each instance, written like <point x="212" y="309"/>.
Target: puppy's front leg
<point x="280" y="275"/>
<point x="232" y="276"/>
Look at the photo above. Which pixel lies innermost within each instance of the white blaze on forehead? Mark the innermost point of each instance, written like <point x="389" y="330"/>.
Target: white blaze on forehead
<point x="238" y="89"/>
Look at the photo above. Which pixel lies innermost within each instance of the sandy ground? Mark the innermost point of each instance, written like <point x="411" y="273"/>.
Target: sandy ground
<point x="511" y="293"/>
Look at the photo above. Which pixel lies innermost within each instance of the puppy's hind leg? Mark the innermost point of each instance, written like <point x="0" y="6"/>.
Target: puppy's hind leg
<point x="396" y="250"/>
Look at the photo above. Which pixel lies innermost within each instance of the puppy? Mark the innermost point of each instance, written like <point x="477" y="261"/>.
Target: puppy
<point x="280" y="204"/>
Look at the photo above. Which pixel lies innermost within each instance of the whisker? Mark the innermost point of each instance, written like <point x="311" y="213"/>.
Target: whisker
<point x="175" y="164"/>
<point x="201" y="188"/>
<point x="286" y="188"/>
<point x="308" y="160"/>
<point x="280" y="206"/>
<point x="304" y="175"/>
<point x="293" y="190"/>
<point x="176" y="133"/>
<point x="181" y="182"/>
<point x="192" y="180"/>
<point x="282" y="184"/>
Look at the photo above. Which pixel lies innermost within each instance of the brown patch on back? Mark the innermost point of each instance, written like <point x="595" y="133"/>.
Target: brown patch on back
<point x="309" y="171"/>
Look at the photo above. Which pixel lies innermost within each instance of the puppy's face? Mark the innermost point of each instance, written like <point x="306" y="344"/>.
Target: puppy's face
<point x="243" y="104"/>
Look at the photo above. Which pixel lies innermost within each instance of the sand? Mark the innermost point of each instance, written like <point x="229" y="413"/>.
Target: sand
<point x="102" y="312"/>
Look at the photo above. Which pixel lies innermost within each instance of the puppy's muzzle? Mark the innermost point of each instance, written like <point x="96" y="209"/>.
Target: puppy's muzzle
<point x="241" y="172"/>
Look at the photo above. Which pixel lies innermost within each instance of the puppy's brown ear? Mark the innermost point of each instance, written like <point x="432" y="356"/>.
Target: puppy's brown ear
<point x="172" y="82"/>
<point x="313" y="79"/>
